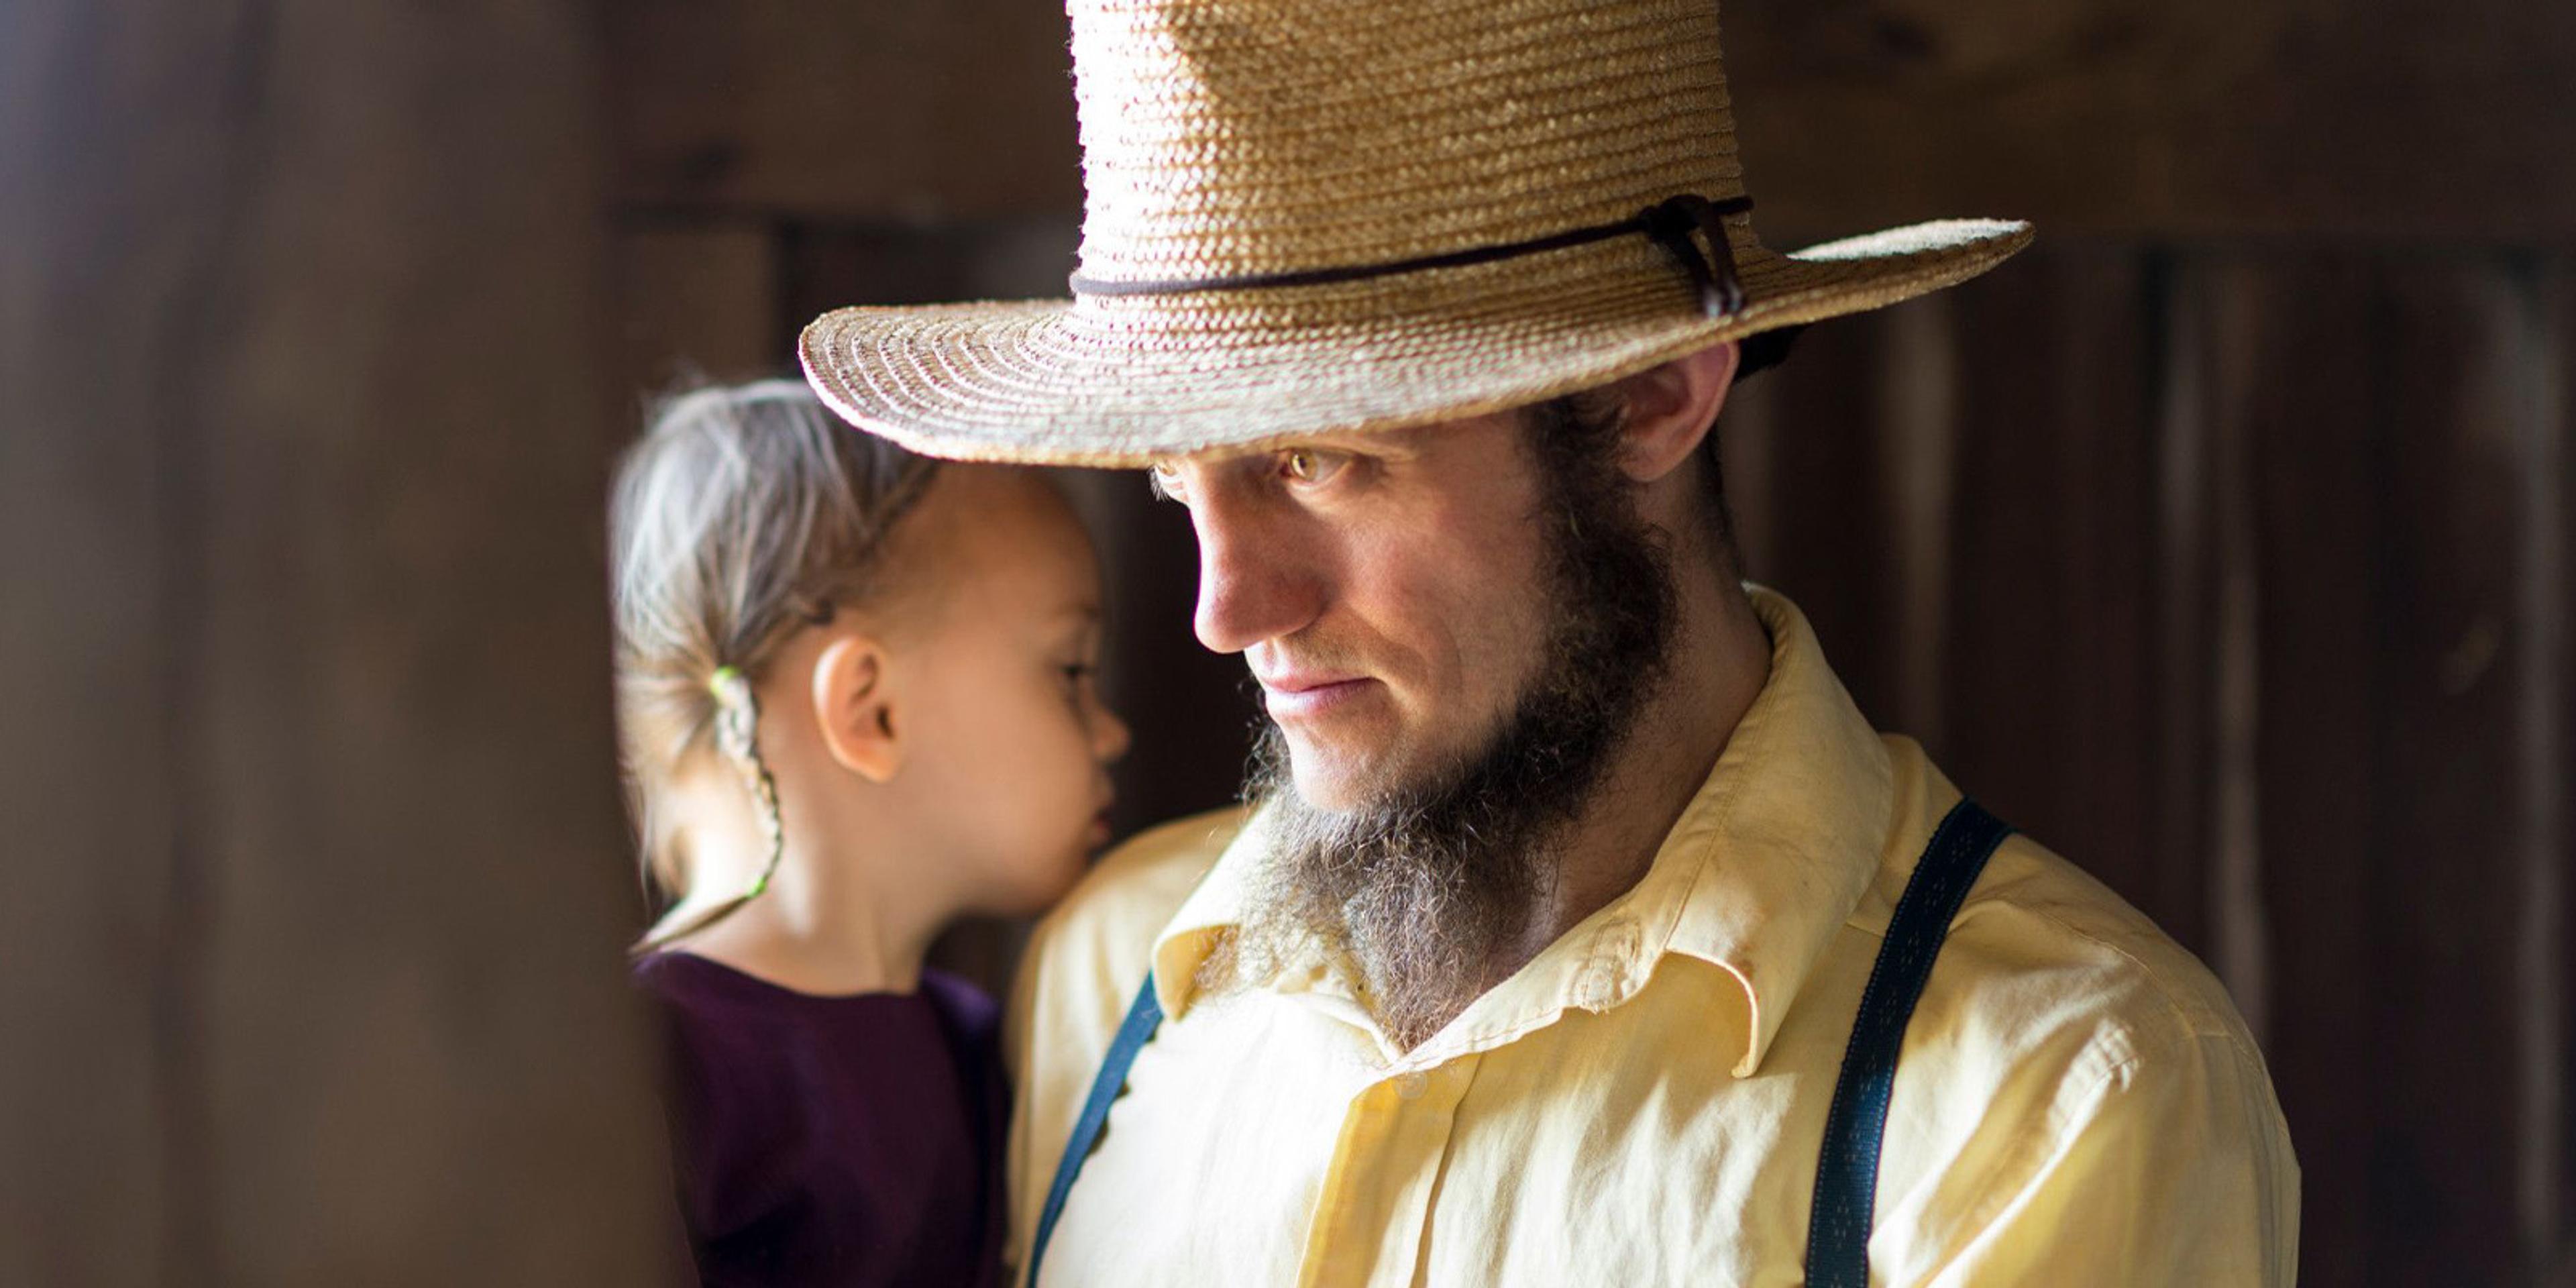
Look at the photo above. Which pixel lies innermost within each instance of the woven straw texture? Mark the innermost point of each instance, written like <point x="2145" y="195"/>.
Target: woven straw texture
<point x="1228" y="138"/>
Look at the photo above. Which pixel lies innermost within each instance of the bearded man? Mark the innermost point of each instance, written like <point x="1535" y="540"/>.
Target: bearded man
<point x="1578" y="929"/>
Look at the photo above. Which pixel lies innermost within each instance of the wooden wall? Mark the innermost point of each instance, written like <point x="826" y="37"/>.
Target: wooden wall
<point x="316" y="889"/>
<point x="2221" y="541"/>
<point x="2240" y="575"/>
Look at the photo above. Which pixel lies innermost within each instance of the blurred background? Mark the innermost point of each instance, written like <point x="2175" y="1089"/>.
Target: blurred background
<point x="2222" y="542"/>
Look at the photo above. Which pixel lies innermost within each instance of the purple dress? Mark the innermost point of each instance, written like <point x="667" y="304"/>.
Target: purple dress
<point x="833" y="1142"/>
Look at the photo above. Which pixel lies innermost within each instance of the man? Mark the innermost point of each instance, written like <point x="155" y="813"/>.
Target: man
<point x="1579" y="930"/>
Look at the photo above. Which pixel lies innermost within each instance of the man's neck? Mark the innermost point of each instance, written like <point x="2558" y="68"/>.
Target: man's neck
<point x="1721" y="659"/>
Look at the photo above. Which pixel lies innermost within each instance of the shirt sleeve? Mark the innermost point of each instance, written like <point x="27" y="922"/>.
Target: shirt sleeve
<point x="2169" y="1168"/>
<point x="1081" y="968"/>
<point x="1082" y="965"/>
<point x="1018" y="1018"/>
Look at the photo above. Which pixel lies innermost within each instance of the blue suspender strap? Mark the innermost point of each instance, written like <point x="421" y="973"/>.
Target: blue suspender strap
<point x="1847" y="1169"/>
<point x="1143" y="1017"/>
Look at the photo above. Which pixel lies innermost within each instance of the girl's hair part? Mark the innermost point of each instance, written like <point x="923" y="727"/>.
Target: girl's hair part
<point x="743" y="514"/>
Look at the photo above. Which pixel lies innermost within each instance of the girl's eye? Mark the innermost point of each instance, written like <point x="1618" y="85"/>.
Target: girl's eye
<point x="1165" y="478"/>
<point x="1306" y="465"/>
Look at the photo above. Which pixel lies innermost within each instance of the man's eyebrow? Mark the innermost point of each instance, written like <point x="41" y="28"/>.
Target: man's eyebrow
<point x="1347" y="443"/>
<point x="1377" y="445"/>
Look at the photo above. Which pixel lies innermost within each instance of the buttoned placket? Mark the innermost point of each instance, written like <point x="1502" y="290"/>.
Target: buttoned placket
<point x="1373" y="1211"/>
<point x="1375" y="1204"/>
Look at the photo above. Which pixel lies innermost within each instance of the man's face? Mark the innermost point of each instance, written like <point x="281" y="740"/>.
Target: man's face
<point x="1454" y="629"/>
<point x="1388" y="591"/>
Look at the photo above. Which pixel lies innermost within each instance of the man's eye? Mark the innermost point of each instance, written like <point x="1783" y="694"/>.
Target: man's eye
<point x="1307" y="465"/>
<point x="1165" y="478"/>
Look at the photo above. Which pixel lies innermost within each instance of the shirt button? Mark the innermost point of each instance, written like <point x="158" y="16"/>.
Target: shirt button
<point x="1410" y="1086"/>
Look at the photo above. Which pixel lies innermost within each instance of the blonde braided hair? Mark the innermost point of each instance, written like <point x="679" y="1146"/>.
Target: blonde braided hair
<point x="743" y="514"/>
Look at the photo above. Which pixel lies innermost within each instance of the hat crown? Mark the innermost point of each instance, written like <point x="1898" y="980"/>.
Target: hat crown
<point x="1231" y="138"/>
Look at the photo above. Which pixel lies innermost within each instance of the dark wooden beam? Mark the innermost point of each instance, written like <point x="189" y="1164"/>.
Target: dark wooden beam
<point x="889" y="111"/>
<point x="2401" y="118"/>
<point x="319" y="885"/>
<point x="2192" y="117"/>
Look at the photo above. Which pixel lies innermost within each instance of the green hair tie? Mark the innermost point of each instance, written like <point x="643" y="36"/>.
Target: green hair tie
<point x="737" y="722"/>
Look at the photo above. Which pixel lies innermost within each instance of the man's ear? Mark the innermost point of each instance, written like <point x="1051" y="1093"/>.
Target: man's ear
<point x="1669" y="410"/>
<point x="854" y="708"/>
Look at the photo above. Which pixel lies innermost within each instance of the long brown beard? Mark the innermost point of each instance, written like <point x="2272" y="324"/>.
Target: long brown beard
<point x="1428" y="890"/>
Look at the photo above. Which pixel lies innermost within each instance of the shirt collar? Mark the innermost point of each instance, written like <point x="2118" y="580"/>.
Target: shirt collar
<point x="1757" y="874"/>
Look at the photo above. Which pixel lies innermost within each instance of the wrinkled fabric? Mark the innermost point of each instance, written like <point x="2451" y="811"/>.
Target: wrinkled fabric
<point x="2077" y="1102"/>
<point x="845" y="1142"/>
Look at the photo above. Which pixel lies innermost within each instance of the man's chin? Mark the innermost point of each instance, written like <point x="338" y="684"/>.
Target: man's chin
<point x="1330" y="788"/>
<point x="1332" y="778"/>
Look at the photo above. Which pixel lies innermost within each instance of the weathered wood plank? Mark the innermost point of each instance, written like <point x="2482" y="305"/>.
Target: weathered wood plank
<point x="2450" y="856"/>
<point x="1748" y="443"/>
<point x="2280" y="341"/>
<point x="2048" y="670"/>
<point x="2196" y="653"/>
<point x="424" y="1065"/>
<point x="2204" y="116"/>
<point x="830" y="265"/>
<point x="2545" y="1187"/>
<point x="100" y="1120"/>
<point x="2397" y="117"/>
<point x="1823" y="530"/>
<point x="897" y="110"/>
<point x="300" y="320"/>
<point x="697" y="299"/>
<point x="1917" y="423"/>
<point x="2239" y="932"/>
<point x="2554" y="838"/>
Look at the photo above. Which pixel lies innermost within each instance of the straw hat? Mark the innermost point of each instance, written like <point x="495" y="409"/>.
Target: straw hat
<point x="1306" y="216"/>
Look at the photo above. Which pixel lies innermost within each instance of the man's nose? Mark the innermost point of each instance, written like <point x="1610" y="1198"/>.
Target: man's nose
<point x="1253" y="583"/>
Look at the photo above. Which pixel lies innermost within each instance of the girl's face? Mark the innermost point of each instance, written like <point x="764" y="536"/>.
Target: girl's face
<point x="1010" y="744"/>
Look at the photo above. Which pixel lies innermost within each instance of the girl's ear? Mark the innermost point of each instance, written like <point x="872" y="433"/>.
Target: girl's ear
<point x="1668" y="410"/>
<point x="854" y="708"/>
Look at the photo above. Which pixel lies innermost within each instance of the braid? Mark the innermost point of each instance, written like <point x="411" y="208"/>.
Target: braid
<point x="737" y="730"/>
<point x="743" y="515"/>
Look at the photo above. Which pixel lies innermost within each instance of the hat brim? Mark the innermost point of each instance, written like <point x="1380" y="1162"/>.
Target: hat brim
<point x="1123" y="383"/>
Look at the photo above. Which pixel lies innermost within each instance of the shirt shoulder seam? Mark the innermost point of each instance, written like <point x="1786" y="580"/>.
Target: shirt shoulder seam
<point x="2188" y="1021"/>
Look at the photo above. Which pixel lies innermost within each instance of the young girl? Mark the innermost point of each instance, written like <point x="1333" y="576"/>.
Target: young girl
<point x="856" y="703"/>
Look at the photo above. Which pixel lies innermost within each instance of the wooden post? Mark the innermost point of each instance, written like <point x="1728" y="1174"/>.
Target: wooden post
<point x="318" y="884"/>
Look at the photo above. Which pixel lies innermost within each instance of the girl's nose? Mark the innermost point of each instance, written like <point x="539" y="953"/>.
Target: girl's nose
<point x="1109" y="734"/>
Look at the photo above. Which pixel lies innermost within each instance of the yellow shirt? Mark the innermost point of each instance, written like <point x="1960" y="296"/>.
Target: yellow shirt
<point x="2077" y="1102"/>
